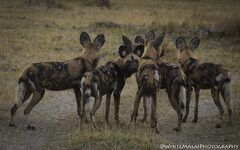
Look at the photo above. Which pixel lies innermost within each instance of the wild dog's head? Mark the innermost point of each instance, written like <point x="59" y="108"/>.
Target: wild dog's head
<point x="152" y="45"/>
<point x="130" y="55"/>
<point x="91" y="49"/>
<point x="149" y="36"/>
<point x="186" y="50"/>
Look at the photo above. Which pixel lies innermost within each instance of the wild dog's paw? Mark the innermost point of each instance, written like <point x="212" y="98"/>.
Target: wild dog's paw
<point x="218" y="125"/>
<point x="177" y="129"/>
<point x="194" y="120"/>
<point x="143" y="119"/>
<point x="29" y="127"/>
<point x="230" y="123"/>
<point x="11" y="124"/>
<point x="184" y="120"/>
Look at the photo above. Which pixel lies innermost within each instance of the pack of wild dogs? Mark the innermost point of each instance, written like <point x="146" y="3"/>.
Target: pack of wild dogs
<point x="141" y="58"/>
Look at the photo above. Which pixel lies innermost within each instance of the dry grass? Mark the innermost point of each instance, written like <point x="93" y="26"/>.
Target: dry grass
<point x="36" y="34"/>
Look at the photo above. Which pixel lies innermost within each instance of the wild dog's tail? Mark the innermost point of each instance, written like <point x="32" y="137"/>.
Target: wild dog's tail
<point x="150" y="81"/>
<point x="88" y="99"/>
<point x="20" y="98"/>
<point x="182" y="90"/>
<point x="182" y="96"/>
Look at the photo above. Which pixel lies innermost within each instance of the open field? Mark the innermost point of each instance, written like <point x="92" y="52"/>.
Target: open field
<point x="35" y="33"/>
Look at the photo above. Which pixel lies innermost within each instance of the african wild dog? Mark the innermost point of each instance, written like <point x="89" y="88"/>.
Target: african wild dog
<point x="136" y="51"/>
<point x="108" y="78"/>
<point x="148" y="77"/>
<point x="173" y="81"/>
<point x="57" y="76"/>
<point x="204" y="76"/>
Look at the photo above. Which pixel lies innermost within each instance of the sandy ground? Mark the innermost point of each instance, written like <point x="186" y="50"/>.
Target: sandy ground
<point x="51" y="117"/>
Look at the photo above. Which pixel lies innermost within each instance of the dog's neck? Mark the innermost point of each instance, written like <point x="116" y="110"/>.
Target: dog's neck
<point x="189" y="65"/>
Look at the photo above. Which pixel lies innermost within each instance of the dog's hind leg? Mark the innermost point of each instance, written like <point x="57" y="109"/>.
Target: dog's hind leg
<point x="189" y="94"/>
<point x="136" y="105"/>
<point x="37" y="96"/>
<point x="176" y="106"/>
<point x="216" y="99"/>
<point x="22" y="94"/>
<point x="226" y="94"/>
<point x="107" y="109"/>
<point x="98" y="100"/>
<point x="197" y="91"/>
<point x="154" y="122"/>
<point x="145" y="107"/>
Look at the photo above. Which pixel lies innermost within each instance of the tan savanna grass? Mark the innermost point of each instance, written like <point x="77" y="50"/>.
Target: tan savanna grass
<point x="35" y="34"/>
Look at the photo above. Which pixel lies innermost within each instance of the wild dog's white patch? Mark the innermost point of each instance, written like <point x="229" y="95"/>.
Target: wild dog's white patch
<point x="32" y="84"/>
<point x="219" y="77"/>
<point x="88" y="92"/>
<point x="95" y="86"/>
<point x="21" y="91"/>
<point x="156" y="75"/>
<point x="89" y="104"/>
<point x="82" y="81"/>
<point x="182" y="95"/>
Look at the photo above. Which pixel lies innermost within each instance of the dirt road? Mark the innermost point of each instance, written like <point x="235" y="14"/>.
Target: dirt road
<point x="55" y="117"/>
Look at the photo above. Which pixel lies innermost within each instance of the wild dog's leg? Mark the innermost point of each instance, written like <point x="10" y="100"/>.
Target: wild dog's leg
<point x="98" y="100"/>
<point x="108" y="98"/>
<point x="37" y="96"/>
<point x="78" y="99"/>
<point x="216" y="99"/>
<point x="117" y="94"/>
<point x="22" y="95"/>
<point x="176" y="106"/>
<point x="197" y="91"/>
<point x="136" y="105"/>
<point x="189" y="94"/>
<point x="226" y="94"/>
<point x="145" y="109"/>
<point x="154" y="122"/>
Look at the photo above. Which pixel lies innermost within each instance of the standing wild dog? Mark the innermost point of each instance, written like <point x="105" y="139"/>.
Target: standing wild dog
<point x="136" y="51"/>
<point x="57" y="76"/>
<point x="108" y="78"/>
<point x="148" y="77"/>
<point x="204" y="76"/>
<point x="173" y="81"/>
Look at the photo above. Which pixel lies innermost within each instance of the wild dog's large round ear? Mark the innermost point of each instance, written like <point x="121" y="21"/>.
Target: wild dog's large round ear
<point x="139" y="49"/>
<point x="139" y="40"/>
<point x="127" y="42"/>
<point x="158" y="41"/>
<point x="150" y="36"/>
<point x="180" y="43"/>
<point x="99" y="41"/>
<point x="84" y="39"/>
<point x="123" y="51"/>
<point x="194" y="43"/>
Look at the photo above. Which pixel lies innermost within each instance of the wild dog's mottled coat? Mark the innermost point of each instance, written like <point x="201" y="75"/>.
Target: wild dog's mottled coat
<point x="57" y="76"/>
<point x="204" y="76"/>
<point x="107" y="78"/>
<point x="135" y="52"/>
<point x="173" y="80"/>
<point x="148" y="77"/>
